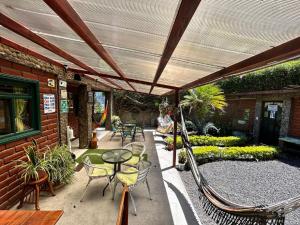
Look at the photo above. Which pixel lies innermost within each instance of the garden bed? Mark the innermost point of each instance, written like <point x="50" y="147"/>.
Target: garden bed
<point x="201" y="140"/>
<point x="250" y="183"/>
<point x="213" y="153"/>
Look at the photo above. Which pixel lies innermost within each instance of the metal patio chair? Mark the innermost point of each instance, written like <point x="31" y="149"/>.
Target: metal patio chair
<point x="128" y="131"/>
<point x="132" y="177"/>
<point x="138" y="149"/>
<point x="96" y="171"/>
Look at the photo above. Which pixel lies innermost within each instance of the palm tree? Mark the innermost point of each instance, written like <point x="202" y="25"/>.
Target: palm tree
<point x="203" y="100"/>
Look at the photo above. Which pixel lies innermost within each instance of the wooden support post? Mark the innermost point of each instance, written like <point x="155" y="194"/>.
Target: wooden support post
<point x="176" y="102"/>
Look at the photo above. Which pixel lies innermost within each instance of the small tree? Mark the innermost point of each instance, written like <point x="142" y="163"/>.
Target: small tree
<point x="202" y="101"/>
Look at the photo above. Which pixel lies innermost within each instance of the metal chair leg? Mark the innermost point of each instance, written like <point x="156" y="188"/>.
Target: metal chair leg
<point x="133" y="203"/>
<point x="148" y="187"/>
<point x="114" y="190"/>
<point x="81" y="200"/>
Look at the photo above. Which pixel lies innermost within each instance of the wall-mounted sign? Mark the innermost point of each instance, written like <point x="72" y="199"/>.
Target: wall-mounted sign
<point x="51" y="83"/>
<point x="63" y="94"/>
<point x="91" y="95"/>
<point x="62" y="83"/>
<point x="49" y="103"/>
<point x="64" y="106"/>
<point x="273" y="108"/>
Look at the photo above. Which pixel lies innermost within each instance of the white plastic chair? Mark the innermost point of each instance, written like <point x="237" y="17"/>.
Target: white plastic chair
<point x="96" y="171"/>
<point x="132" y="177"/>
<point x="138" y="150"/>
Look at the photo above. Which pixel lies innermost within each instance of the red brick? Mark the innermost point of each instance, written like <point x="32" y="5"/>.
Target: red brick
<point x="41" y="139"/>
<point x="52" y="126"/>
<point x="44" y="128"/>
<point x="21" y="67"/>
<point x="52" y="136"/>
<point x="52" y="116"/>
<point x="2" y="147"/>
<point x="15" y="183"/>
<point x="7" y="152"/>
<point x="22" y="147"/>
<point x="5" y="63"/>
<point x="44" y="117"/>
<point x="15" y="156"/>
<point x="47" y="132"/>
<point x="44" y="144"/>
<point x="15" y="143"/>
<point x="30" y="76"/>
<point x="10" y="71"/>
<point x="49" y="121"/>
<point x="3" y="177"/>
<point x="6" y="182"/>
<point x="3" y="191"/>
<point x="7" y="167"/>
<point x="15" y="198"/>
<point x="43" y="79"/>
<point x="45" y="90"/>
<point x="14" y="171"/>
<point x="9" y="194"/>
<point x="4" y="205"/>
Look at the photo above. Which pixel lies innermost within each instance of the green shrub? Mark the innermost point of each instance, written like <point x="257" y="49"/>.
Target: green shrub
<point x="209" y="140"/>
<point x="272" y="78"/>
<point x="204" y="153"/>
<point x="250" y="152"/>
<point x="179" y="144"/>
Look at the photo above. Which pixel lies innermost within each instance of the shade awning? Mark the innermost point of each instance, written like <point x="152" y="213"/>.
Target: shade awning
<point x="137" y="34"/>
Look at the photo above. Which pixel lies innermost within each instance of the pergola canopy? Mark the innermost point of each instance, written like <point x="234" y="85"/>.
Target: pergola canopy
<point x="156" y="46"/>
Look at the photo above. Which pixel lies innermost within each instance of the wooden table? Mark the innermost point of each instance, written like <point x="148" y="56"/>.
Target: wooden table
<point x="26" y="217"/>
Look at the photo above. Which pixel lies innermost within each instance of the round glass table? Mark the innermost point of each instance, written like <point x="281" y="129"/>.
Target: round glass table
<point x="116" y="157"/>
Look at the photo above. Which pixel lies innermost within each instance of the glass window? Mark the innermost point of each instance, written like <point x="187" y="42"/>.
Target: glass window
<point x="5" y="126"/>
<point x="19" y="108"/>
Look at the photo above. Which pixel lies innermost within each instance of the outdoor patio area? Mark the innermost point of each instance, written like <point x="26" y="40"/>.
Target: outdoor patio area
<point x="98" y="209"/>
<point x="165" y="112"/>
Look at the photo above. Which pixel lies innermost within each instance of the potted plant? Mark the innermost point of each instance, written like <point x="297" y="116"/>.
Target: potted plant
<point x="181" y="160"/>
<point x="61" y="165"/>
<point x="35" y="168"/>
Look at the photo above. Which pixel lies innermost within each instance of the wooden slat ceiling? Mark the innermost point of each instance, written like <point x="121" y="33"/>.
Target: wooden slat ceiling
<point x="156" y="46"/>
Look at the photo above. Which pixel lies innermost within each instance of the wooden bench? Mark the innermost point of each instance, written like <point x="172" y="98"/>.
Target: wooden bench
<point x="22" y="217"/>
<point x="290" y="144"/>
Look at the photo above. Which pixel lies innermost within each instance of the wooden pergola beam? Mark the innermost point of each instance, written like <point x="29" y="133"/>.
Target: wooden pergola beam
<point x="66" y="12"/>
<point x="279" y="53"/>
<point x="183" y="17"/>
<point x="129" y="79"/>
<point x="26" y="33"/>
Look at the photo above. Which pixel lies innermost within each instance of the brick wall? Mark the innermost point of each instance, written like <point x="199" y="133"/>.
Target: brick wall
<point x="10" y="179"/>
<point x="295" y="118"/>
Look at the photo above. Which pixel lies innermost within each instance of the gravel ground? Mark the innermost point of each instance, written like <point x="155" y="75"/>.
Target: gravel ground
<point x="251" y="183"/>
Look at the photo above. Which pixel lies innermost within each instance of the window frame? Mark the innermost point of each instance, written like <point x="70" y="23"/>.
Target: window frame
<point x="34" y="95"/>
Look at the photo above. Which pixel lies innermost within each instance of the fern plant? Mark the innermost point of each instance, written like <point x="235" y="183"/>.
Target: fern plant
<point x="35" y="167"/>
<point x="60" y="165"/>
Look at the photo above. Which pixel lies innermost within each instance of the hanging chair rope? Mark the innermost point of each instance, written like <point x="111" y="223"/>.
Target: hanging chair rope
<point x="225" y="212"/>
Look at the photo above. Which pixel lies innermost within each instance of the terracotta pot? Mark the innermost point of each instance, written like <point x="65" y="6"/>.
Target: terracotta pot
<point x="42" y="176"/>
<point x="94" y="141"/>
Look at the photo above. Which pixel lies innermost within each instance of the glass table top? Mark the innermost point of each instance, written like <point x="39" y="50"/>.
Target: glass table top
<point x="116" y="156"/>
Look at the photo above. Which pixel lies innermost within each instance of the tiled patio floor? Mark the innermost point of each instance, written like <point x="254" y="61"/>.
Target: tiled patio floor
<point x="100" y="210"/>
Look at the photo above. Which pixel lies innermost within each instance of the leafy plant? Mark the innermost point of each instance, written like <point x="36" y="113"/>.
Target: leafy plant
<point x="115" y="121"/>
<point x="190" y="126"/>
<point x="202" y="101"/>
<point x="182" y="156"/>
<point x="60" y="165"/>
<point x="272" y="78"/>
<point x="196" y="140"/>
<point x="35" y="166"/>
<point x="213" y="153"/>
<point x="210" y="126"/>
